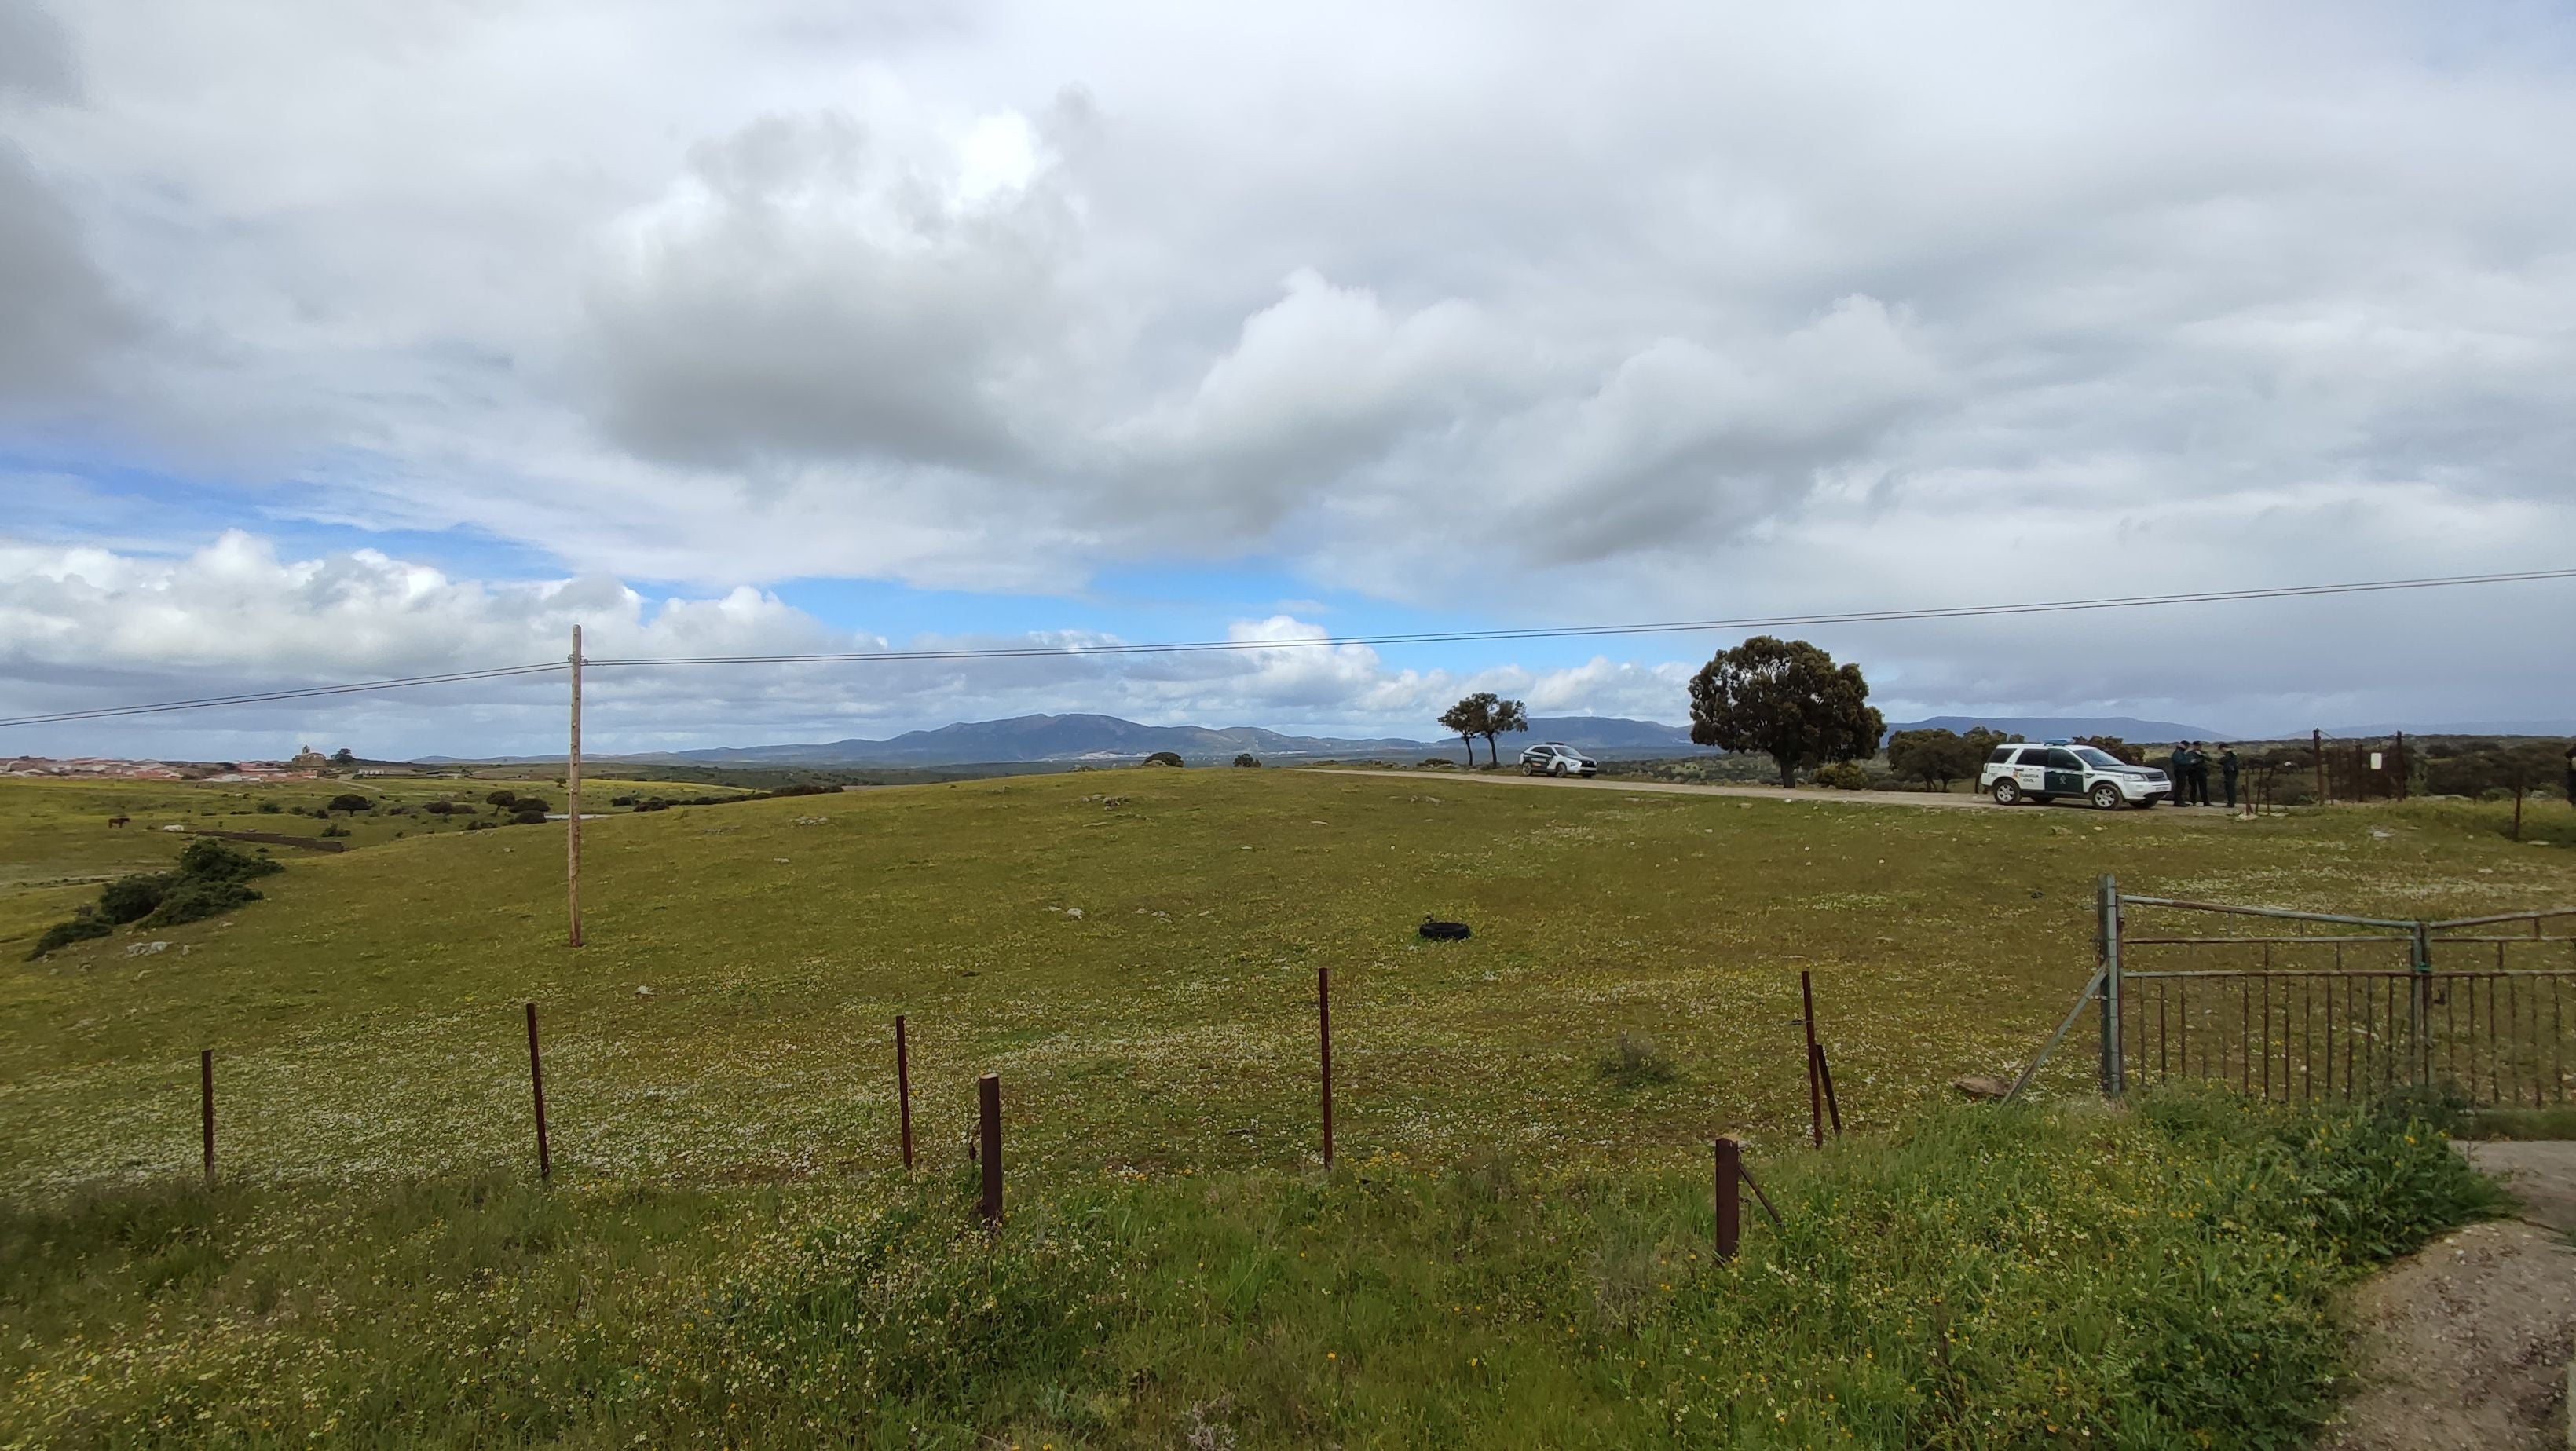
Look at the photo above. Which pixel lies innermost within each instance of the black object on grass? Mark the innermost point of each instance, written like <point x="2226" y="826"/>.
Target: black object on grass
<point x="1439" y="931"/>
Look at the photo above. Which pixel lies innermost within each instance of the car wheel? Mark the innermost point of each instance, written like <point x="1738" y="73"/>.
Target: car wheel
<point x="2106" y="796"/>
<point x="2007" y="791"/>
<point x="1560" y="768"/>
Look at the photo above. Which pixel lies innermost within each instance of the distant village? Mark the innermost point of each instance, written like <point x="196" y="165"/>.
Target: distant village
<point x="307" y="764"/>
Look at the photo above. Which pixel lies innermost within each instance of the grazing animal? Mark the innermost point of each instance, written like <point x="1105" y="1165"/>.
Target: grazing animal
<point x="118" y="820"/>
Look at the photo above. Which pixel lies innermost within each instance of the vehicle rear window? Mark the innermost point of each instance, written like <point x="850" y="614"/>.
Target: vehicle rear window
<point x="2002" y="757"/>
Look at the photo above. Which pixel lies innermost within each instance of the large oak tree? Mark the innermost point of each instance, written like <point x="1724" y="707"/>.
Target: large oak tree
<point x="1785" y="698"/>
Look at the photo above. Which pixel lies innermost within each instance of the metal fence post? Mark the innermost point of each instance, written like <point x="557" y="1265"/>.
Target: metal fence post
<point x="2419" y="999"/>
<point x="2107" y="947"/>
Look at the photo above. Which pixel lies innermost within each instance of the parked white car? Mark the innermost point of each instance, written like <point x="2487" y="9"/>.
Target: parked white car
<point x="1557" y="759"/>
<point x="2018" y="773"/>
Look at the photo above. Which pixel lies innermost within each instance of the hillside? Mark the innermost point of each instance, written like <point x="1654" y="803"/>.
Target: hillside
<point x="1513" y="1247"/>
<point x="1069" y="739"/>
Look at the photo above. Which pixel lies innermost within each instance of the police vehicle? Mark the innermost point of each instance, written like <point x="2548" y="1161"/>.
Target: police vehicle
<point x="1557" y="759"/>
<point x="2018" y="773"/>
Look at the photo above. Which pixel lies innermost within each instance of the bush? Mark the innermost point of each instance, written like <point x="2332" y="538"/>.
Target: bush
<point x="1165" y="758"/>
<point x="805" y="788"/>
<point x="194" y="899"/>
<point x="350" y="801"/>
<point x="526" y="817"/>
<point x="478" y="826"/>
<point x="500" y="798"/>
<point x="269" y="808"/>
<point x="335" y="829"/>
<point x="1437" y="763"/>
<point x="83" y="926"/>
<point x="131" y="899"/>
<point x="215" y="861"/>
<point x="1843" y="776"/>
<point x="1248" y="760"/>
<point x="1637" y="1061"/>
<point x="440" y="808"/>
<point x="654" y="803"/>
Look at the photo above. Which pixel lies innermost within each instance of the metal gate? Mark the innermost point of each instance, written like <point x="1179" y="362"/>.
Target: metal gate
<point x="2317" y="1005"/>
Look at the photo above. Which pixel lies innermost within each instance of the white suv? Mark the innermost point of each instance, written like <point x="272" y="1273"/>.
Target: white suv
<point x="1554" y="759"/>
<point x="2014" y="774"/>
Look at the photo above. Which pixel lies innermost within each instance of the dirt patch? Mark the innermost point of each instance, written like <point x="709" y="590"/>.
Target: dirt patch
<point x="2541" y="1174"/>
<point x="2465" y="1345"/>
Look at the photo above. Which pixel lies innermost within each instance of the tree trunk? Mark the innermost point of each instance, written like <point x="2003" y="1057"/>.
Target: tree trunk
<point x="1788" y="774"/>
<point x="1470" y="742"/>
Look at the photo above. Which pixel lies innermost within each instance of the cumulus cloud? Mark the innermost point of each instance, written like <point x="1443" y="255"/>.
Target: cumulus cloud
<point x="1537" y="314"/>
<point x="84" y="626"/>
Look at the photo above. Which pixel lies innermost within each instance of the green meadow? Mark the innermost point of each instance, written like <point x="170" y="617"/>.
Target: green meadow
<point x="730" y="1252"/>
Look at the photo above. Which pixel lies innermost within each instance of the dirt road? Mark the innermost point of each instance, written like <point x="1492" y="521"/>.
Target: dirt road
<point x="1933" y="800"/>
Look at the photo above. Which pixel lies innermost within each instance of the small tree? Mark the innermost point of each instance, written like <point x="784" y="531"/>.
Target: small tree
<point x="1248" y="760"/>
<point x="1929" y="756"/>
<point x="349" y="801"/>
<point x="1468" y="718"/>
<point x="1787" y="699"/>
<point x="2115" y="748"/>
<point x="1165" y="758"/>
<point x="1506" y="715"/>
<point x="344" y="757"/>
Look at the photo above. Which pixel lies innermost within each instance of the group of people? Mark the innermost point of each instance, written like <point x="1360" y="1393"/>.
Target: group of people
<point x="2188" y="767"/>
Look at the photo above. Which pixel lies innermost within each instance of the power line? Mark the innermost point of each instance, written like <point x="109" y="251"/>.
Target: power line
<point x="1424" y="637"/>
<point x="1560" y="632"/>
<point x="304" y="693"/>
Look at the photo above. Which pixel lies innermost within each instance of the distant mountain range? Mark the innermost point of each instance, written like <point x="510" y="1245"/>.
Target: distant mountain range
<point x="1075" y="739"/>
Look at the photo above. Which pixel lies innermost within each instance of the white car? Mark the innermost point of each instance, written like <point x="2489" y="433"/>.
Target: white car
<point x="2018" y="773"/>
<point x="1556" y="759"/>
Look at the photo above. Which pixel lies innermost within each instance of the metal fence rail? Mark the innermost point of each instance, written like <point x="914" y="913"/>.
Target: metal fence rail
<point x="2318" y="1005"/>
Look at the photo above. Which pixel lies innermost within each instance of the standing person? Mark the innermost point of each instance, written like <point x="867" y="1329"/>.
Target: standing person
<point x="2228" y="766"/>
<point x="2195" y="769"/>
<point x="2571" y="773"/>
<point x="2178" y="766"/>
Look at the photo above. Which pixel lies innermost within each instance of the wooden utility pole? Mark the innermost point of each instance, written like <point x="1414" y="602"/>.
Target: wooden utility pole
<point x="2316" y="748"/>
<point x="572" y="801"/>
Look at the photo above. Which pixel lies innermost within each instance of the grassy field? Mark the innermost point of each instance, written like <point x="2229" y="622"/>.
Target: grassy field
<point x="1135" y="953"/>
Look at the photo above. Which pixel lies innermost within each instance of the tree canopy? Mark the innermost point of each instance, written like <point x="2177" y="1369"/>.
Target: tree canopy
<point x="1471" y="718"/>
<point x="1787" y="699"/>
<point x="1505" y="715"/>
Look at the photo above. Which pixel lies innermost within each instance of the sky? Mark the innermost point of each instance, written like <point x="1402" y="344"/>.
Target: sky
<point x="352" y="340"/>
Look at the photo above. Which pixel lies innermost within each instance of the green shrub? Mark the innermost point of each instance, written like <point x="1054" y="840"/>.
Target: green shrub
<point x="83" y="926"/>
<point x="1248" y="760"/>
<point x="217" y="861"/>
<point x="350" y="801"/>
<point x="335" y="829"/>
<point x="500" y="798"/>
<point x="269" y="808"/>
<point x="524" y="816"/>
<point x="193" y="899"/>
<point x="1843" y="776"/>
<point x="1165" y="758"/>
<point x="131" y="899"/>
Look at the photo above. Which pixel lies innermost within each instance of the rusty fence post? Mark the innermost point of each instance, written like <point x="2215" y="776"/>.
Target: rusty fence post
<point x="537" y="1087"/>
<point x="1324" y="1051"/>
<point x="1730" y="1170"/>
<point x="1833" y="1106"/>
<point x="988" y="1118"/>
<point x="206" y="1107"/>
<point x="903" y="1090"/>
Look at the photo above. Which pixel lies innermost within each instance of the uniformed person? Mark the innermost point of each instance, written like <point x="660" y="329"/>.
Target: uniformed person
<point x="2228" y="765"/>
<point x="2178" y="766"/>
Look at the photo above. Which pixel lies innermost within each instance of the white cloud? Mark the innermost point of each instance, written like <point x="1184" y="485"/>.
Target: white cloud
<point x="87" y="626"/>
<point x="1541" y="314"/>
